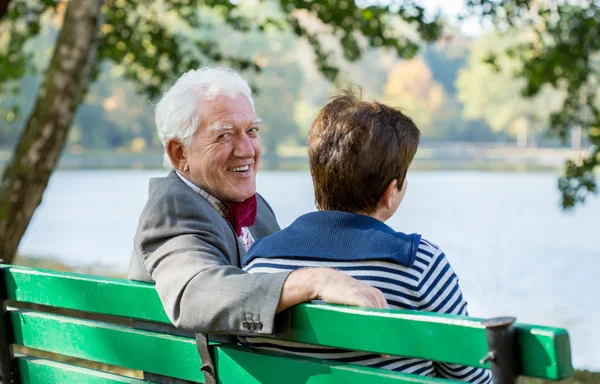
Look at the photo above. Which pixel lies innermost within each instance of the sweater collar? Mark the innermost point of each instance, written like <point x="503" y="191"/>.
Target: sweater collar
<point x="337" y="236"/>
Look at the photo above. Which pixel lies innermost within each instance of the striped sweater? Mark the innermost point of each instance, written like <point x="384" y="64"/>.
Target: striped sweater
<point x="429" y="284"/>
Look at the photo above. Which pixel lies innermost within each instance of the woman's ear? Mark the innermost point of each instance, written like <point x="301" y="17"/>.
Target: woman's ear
<point x="388" y="195"/>
<point x="177" y="154"/>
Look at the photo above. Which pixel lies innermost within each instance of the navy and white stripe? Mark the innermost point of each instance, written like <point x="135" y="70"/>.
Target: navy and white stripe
<point x="429" y="285"/>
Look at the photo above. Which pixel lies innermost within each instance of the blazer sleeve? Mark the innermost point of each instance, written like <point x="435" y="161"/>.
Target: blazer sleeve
<point x="199" y="288"/>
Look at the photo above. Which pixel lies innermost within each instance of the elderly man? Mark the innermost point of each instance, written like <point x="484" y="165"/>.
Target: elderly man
<point x="201" y="218"/>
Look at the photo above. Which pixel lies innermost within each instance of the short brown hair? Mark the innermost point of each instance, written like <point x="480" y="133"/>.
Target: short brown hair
<point x="355" y="149"/>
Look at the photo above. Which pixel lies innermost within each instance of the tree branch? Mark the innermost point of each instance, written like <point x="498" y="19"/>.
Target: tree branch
<point x="4" y="7"/>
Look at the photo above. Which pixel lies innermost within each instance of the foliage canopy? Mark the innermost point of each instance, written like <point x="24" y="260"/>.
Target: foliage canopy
<point x="140" y="35"/>
<point x="145" y="38"/>
<point x="566" y="55"/>
<point x="492" y="93"/>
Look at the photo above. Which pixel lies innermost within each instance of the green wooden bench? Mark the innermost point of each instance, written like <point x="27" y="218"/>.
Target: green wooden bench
<point x="537" y="351"/>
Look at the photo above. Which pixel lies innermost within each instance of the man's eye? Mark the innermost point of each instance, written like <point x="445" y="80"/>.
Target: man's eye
<point x="224" y="136"/>
<point x="253" y="130"/>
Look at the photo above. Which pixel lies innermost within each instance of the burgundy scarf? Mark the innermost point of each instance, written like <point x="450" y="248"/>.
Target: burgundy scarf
<point x="242" y="214"/>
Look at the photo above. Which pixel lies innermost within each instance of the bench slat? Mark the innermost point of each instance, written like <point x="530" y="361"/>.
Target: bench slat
<point x="239" y="365"/>
<point x="545" y="350"/>
<point x="403" y="333"/>
<point x="110" y="344"/>
<point x="85" y="293"/>
<point x="40" y="371"/>
<point x="178" y="357"/>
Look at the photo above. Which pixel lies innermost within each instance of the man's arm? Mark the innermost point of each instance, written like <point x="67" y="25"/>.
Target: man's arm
<point x="202" y="292"/>
<point x="330" y="286"/>
<point x="326" y="284"/>
<point x="185" y="248"/>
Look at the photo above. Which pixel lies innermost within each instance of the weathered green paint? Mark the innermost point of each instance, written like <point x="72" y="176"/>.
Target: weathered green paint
<point x="110" y="344"/>
<point x="545" y="351"/>
<point x="105" y="295"/>
<point x="238" y="365"/>
<point x="178" y="357"/>
<point x="40" y="371"/>
<point x="405" y="333"/>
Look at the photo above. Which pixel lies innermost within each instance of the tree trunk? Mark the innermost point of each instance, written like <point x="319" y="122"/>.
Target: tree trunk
<point x="522" y="137"/>
<point x="576" y="135"/>
<point x="532" y="139"/>
<point x="65" y="82"/>
<point x="4" y="7"/>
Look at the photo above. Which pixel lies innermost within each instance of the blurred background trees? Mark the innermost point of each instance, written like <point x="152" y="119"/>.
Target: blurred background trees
<point x="563" y="52"/>
<point x="491" y="92"/>
<point x="529" y="78"/>
<point x="149" y="44"/>
<point x="114" y="115"/>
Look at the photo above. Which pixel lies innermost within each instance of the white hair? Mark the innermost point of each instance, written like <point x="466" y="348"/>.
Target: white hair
<point x="179" y="112"/>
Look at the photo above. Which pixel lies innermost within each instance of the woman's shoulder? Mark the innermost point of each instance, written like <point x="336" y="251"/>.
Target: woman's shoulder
<point x="430" y="260"/>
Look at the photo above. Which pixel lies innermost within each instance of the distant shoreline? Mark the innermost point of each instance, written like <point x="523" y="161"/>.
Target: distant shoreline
<point x="492" y="157"/>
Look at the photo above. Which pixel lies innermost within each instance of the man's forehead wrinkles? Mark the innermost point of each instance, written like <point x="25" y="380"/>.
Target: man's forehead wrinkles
<point x="215" y="126"/>
<point x="222" y="127"/>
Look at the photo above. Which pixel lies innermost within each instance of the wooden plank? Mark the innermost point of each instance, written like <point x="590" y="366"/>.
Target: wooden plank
<point x="95" y="294"/>
<point x="40" y="371"/>
<point x="177" y="356"/>
<point x="8" y="368"/>
<point x="403" y="333"/>
<point x="545" y="351"/>
<point x="110" y="344"/>
<point x="241" y="365"/>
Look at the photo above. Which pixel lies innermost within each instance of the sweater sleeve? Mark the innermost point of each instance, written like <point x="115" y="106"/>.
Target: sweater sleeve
<point x="442" y="294"/>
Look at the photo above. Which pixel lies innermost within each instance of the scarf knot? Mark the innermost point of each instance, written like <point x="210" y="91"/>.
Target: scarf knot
<point x="241" y="214"/>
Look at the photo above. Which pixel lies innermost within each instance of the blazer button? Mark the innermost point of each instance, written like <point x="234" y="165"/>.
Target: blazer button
<point x="260" y="325"/>
<point x="245" y="324"/>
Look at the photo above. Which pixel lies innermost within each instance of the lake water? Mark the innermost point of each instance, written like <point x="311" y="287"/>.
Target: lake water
<point x="513" y="249"/>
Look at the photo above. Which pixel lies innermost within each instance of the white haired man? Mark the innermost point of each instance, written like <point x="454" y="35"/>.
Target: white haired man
<point x="201" y="218"/>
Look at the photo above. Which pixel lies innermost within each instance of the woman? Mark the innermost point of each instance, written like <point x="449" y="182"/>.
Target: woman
<point x="359" y="154"/>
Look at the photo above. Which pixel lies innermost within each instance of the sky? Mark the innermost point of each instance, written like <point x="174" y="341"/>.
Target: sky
<point x="451" y="9"/>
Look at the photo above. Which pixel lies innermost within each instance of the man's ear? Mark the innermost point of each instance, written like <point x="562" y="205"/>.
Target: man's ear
<point x="177" y="154"/>
<point x="388" y="194"/>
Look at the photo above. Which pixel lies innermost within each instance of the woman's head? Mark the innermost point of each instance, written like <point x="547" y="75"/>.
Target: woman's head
<point x="356" y="150"/>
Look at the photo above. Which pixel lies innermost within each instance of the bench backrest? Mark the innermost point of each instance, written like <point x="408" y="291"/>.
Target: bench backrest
<point x="543" y="352"/>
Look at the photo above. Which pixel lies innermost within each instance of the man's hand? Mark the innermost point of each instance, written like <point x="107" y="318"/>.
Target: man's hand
<point x="329" y="285"/>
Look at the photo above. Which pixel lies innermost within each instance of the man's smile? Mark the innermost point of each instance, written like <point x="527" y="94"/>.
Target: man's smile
<point x="243" y="168"/>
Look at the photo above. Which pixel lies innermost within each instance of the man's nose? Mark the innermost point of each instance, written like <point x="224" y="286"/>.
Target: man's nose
<point x="243" y="147"/>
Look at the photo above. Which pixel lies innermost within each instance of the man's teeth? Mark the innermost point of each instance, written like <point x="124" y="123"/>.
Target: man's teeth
<point x="240" y="169"/>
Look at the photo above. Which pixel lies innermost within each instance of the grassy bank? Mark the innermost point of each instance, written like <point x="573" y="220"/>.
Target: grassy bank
<point x="580" y="377"/>
<point x="55" y="265"/>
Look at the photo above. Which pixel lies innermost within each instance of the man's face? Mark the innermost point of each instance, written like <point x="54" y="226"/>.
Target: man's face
<point x="225" y="152"/>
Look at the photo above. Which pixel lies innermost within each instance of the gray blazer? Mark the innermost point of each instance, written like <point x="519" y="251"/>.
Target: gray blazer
<point x="193" y="256"/>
